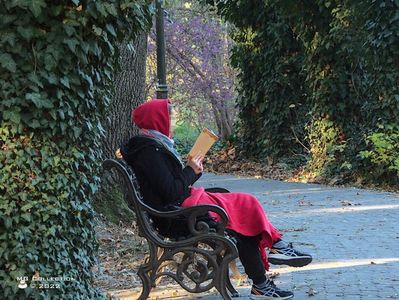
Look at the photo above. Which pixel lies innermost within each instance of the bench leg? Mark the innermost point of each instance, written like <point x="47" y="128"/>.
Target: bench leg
<point x="234" y="293"/>
<point x="146" y="281"/>
<point x="145" y="272"/>
<point x="159" y="254"/>
<point x="223" y="281"/>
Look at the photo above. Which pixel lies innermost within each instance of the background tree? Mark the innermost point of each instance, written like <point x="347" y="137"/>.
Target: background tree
<point x="200" y="79"/>
<point x="129" y="92"/>
<point x="319" y="77"/>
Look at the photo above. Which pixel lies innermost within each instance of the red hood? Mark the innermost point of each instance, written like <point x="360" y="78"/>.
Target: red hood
<point x="154" y="115"/>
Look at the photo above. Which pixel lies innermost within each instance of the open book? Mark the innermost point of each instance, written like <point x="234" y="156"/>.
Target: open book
<point x="203" y="143"/>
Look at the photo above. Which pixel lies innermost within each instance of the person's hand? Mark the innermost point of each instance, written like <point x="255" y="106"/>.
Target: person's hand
<point x="196" y="163"/>
<point x="118" y="154"/>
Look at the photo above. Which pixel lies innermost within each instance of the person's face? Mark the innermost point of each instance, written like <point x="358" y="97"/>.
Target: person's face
<point x="173" y="120"/>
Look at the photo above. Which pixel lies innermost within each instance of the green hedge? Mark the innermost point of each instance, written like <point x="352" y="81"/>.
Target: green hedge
<point x="56" y="64"/>
<point x="317" y="78"/>
<point x="271" y="97"/>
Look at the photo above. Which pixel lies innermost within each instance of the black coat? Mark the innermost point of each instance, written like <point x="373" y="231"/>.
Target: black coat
<point x="164" y="182"/>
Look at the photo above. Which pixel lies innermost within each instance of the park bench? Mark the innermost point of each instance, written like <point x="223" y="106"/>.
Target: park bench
<point x="198" y="261"/>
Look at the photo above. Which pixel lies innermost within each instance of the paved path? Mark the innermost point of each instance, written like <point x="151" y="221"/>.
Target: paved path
<point x="353" y="235"/>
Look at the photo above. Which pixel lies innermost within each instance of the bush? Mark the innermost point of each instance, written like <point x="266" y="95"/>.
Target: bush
<point x="56" y="64"/>
<point x="326" y="147"/>
<point x="328" y="67"/>
<point x="382" y="156"/>
<point x="185" y="136"/>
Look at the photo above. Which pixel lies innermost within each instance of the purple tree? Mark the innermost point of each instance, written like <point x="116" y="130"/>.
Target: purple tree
<point x="200" y="79"/>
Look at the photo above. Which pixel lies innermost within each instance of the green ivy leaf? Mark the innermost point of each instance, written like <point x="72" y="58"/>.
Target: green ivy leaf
<point x="6" y="19"/>
<point x="111" y="9"/>
<point x="28" y="206"/>
<point x="12" y="115"/>
<point x="26" y="32"/>
<point x="72" y="43"/>
<point x="34" y="124"/>
<point x="8" y="222"/>
<point x="27" y="217"/>
<point x="111" y="29"/>
<point x="97" y="30"/>
<point x="7" y="62"/>
<point x="39" y="100"/>
<point x="52" y="79"/>
<point x="65" y="82"/>
<point x="36" y="7"/>
<point x="77" y="132"/>
<point x="101" y="9"/>
<point x="8" y="37"/>
<point x="49" y="62"/>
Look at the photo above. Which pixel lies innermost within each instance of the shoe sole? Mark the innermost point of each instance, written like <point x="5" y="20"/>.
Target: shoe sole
<point x="293" y="262"/>
<point x="263" y="297"/>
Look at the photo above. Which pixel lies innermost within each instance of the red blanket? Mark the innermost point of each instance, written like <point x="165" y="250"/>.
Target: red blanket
<point x="246" y="216"/>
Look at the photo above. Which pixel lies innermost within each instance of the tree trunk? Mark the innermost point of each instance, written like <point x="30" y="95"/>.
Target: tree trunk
<point x="129" y="93"/>
<point x="222" y="116"/>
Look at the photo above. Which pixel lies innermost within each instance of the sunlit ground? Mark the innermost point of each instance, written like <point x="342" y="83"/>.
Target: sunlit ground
<point x="344" y="209"/>
<point x="340" y="264"/>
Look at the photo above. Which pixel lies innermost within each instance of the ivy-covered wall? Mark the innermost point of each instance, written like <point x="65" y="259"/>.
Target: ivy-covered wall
<point x="271" y="99"/>
<point x="57" y="59"/>
<point x="319" y="79"/>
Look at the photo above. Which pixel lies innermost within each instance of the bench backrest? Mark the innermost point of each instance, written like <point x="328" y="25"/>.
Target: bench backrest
<point x="135" y="199"/>
<point x="196" y="219"/>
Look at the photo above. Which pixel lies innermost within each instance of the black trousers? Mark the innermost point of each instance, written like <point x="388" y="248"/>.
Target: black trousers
<point x="249" y="254"/>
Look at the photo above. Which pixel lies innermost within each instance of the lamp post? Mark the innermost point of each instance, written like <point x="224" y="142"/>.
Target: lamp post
<point x="162" y="88"/>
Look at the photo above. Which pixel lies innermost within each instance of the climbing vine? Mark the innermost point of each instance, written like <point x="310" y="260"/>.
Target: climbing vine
<point x="318" y="79"/>
<point x="57" y="59"/>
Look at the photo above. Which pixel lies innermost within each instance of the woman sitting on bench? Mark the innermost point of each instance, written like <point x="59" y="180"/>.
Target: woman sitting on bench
<point x="165" y="181"/>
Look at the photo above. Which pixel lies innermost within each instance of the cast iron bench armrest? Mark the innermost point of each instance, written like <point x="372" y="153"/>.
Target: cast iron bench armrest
<point x="192" y="214"/>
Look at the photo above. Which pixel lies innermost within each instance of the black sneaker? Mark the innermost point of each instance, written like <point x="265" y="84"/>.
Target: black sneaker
<point x="269" y="292"/>
<point x="288" y="256"/>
